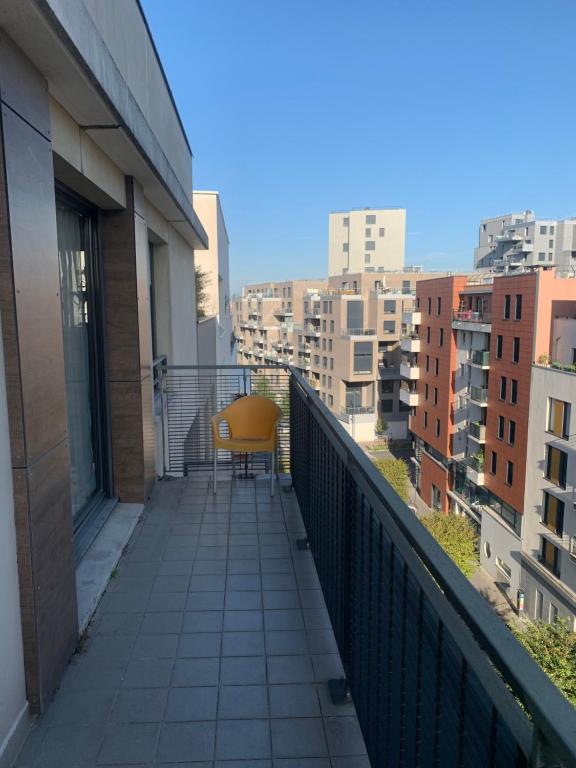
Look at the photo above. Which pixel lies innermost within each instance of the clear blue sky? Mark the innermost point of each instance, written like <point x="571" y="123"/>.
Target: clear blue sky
<point x="455" y="109"/>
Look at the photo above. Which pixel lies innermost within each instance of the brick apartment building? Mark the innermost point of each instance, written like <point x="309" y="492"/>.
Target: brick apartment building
<point x="491" y="380"/>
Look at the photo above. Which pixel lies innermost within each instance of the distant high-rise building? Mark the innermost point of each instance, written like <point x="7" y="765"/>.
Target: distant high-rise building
<point x="366" y="240"/>
<point x="519" y="240"/>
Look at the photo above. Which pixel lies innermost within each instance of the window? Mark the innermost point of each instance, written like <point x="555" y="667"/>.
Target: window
<point x="324" y="326"/>
<point x="501" y="422"/>
<point x="368" y="232"/>
<point x="436" y="366"/>
<point x="325" y="307"/>
<point x="387" y="387"/>
<point x="437" y="428"/>
<point x="507" y="300"/>
<point x="331" y="363"/>
<point x="509" y="472"/>
<point x="516" y="349"/>
<point x="316" y="359"/>
<point x="324" y="345"/>
<point x="538" y="605"/>
<point x="503" y="383"/>
<point x="558" y="418"/>
<point x="387" y="406"/>
<point x="324" y="362"/>
<point x="553" y="513"/>
<point x="363" y="356"/>
<point x="370" y="245"/>
<point x="427" y="363"/>
<point x="331" y="326"/>
<point x="441" y="337"/>
<point x="435" y="396"/>
<point x="439" y="305"/>
<point x="549" y="556"/>
<point x="389" y="326"/>
<point x="429" y="305"/>
<point x="323" y="379"/>
<point x="381" y="232"/>
<point x="329" y="382"/>
<point x="556" y="463"/>
<point x="407" y="288"/>
<point x="345" y="247"/>
<point x="541" y="256"/>
<point x="425" y="419"/>
<point x="330" y="400"/>
<point x="425" y="391"/>
<point x="499" y="345"/>
<point x="550" y="243"/>
<point x="346" y="221"/>
<point x="370" y="218"/>
<point x="511" y="432"/>
<point x="330" y="307"/>
<point x="329" y="345"/>
<point x="366" y="258"/>
<point x="389" y="307"/>
<point x="514" y="392"/>
<point x="543" y="230"/>
<point x="428" y="331"/>
<point x="553" y="615"/>
<point x="493" y="462"/>
<point x="551" y="230"/>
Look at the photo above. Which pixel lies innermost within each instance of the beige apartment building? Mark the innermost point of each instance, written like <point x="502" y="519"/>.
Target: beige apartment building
<point x="366" y="240"/>
<point x="343" y="334"/>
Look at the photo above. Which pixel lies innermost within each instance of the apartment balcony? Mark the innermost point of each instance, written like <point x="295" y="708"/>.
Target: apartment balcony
<point x="304" y="348"/>
<point x="508" y="237"/>
<point x="303" y="362"/>
<point x="480" y="359"/>
<point x="411" y="372"/>
<point x="284" y="313"/>
<point x="363" y="332"/>
<point x="413" y="317"/>
<point x="410" y="343"/>
<point x="477" y="431"/>
<point x="479" y="395"/>
<point x="356" y="414"/>
<point x="472" y="320"/>
<point x="311" y="330"/>
<point x="408" y="396"/>
<point x="388" y="372"/>
<point x="320" y="625"/>
<point x="475" y="470"/>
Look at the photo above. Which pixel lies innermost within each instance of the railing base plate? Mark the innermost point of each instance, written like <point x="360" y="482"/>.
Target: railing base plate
<point x="339" y="691"/>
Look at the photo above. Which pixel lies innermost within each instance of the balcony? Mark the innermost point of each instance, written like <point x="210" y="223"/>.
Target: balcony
<point x="410" y="343"/>
<point x="413" y="317"/>
<point x="303" y="362"/>
<point x="387" y="372"/>
<point x="477" y="431"/>
<point x="358" y="332"/>
<point x="480" y="359"/>
<point x="318" y="625"/>
<point x="411" y="372"/>
<point x="311" y="330"/>
<point x="479" y="395"/>
<point x="472" y="320"/>
<point x="408" y="396"/>
<point x="475" y="469"/>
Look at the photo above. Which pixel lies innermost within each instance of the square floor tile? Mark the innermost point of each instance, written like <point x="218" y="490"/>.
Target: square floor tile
<point x="275" y="581"/>
<point x="242" y="621"/>
<point x="243" y="601"/>
<point x="208" y="583"/>
<point x="239" y="701"/>
<point x="205" y="601"/>
<point x="203" y="621"/>
<point x="243" y="671"/>
<point x="290" y="669"/>
<point x="286" y="643"/>
<point x="284" y="619"/>
<point x="155" y="647"/>
<point x="243" y="644"/>
<point x="281" y="599"/>
<point x="298" y="737"/>
<point x="243" y="582"/>
<point x="242" y="739"/>
<point x="166" y="602"/>
<point x="80" y="708"/>
<point x="344" y="736"/>
<point x="171" y="584"/>
<point x="158" y="623"/>
<point x="196" y="703"/>
<point x="294" y="701"/>
<point x="248" y="566"/>
<point x="65" y="746"/>
<point x="199" y="645"/>
<point x="186" y="742"/>
<point x="134" y="743"/>
<point x="153" y="673"/>
<point x="195" y="672"/>
<point x="139" y="705"/>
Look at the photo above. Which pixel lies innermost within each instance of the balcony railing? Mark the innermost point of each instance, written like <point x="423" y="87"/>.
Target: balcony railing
<point x="479" y="395"/>
<point x="478" y="431"/>
<point x="435" y="676"/>
<point x="356" y="410"/>
<point x="481" y="357"/>
<point x="472" y="316"/>
<point x="358" y="331"/>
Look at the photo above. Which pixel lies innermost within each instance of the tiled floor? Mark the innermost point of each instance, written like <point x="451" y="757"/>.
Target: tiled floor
<point x="211" y="647"/>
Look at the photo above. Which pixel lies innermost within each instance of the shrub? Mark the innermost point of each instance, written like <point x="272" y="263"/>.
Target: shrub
<point x="457" y="538"/>
<point x="396" y="473"/>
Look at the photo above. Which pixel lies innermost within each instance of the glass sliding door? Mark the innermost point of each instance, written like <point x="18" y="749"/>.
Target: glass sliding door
<point x="83" y="357"/>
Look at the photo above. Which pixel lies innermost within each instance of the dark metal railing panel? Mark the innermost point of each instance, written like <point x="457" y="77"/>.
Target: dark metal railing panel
<point x="191" y="395"/>
<point x="429" y="666"/>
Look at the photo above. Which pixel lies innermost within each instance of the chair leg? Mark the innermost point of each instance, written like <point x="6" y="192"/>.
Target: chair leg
<point x="214" y="477"/>
<point x="272" y="465"/>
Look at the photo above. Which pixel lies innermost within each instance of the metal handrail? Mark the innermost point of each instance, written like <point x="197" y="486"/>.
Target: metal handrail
<point x="358" y="332"/>
<point x="486" y="644"/>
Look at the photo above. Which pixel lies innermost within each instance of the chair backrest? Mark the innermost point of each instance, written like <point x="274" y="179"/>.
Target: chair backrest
<point x="251" y="417"/>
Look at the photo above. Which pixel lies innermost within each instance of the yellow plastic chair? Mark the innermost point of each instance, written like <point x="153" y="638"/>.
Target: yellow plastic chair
<point x="252" y="422"/>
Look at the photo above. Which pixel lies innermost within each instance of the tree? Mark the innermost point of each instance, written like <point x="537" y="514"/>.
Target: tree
<point x="553" y="646"/>
<point x="202" y="280"/>
<point x="457" y="538"/>
<point x="396" y="473"/>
